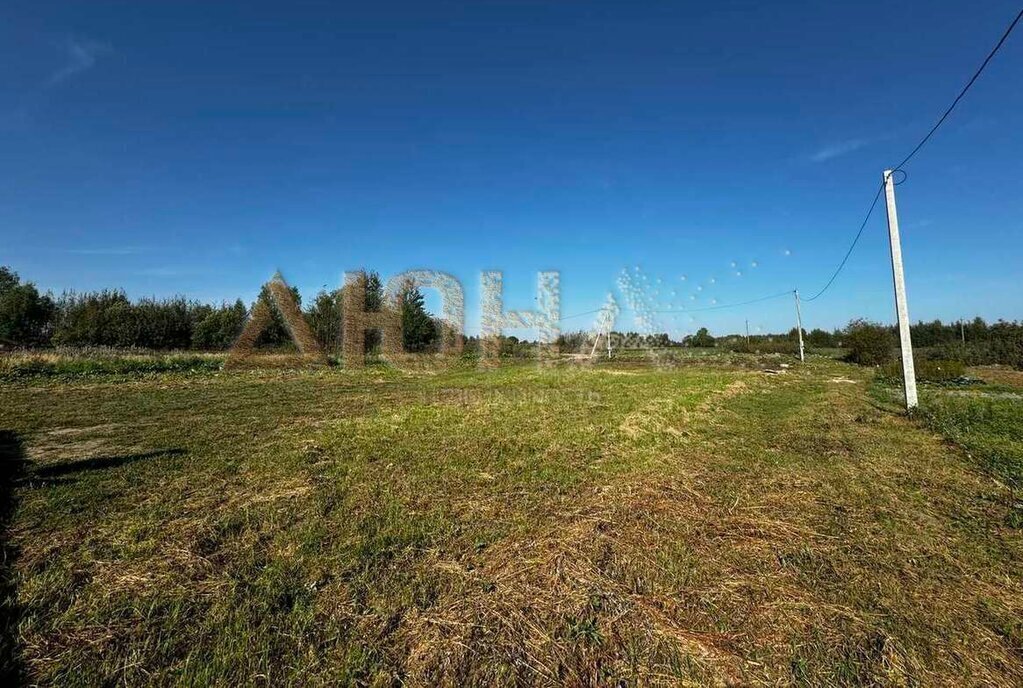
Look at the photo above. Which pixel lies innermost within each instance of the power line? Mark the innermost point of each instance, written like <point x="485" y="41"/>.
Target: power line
<point x="855" y="240"/>
<point x="579" y="315"/>
<point x="963" y="92"/>
<point x="923" y="141"/>
<point x="877" y="195"/>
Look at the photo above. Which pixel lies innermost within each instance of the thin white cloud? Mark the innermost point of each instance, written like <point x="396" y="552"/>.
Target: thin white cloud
<point x="159" y="272"/>
<point x="107" y="251"/>
<point x="839" y="149"/>
<point x="81" y="57"/>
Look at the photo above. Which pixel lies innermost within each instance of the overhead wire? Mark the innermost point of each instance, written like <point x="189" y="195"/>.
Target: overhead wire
<point x="877" y="195"/>
<point x="916" y="149"/>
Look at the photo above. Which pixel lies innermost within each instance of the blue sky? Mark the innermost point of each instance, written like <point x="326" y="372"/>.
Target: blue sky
<point x="195" y="148"/>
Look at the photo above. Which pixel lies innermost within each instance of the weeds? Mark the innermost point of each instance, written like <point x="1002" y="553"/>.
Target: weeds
<point x="68" y="368"/>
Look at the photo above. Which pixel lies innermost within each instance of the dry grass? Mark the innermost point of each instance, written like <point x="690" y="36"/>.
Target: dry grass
<point x="520" y="526"/>
<point x="1001" y="375"/>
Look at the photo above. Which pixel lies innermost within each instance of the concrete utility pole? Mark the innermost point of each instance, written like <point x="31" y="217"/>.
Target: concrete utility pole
<point x="962" y="330"/>
<point x="799" y="326"/>
<point x="747" y="333"/>
<point x="596" y="340"/>
<point x="901" y="307"/>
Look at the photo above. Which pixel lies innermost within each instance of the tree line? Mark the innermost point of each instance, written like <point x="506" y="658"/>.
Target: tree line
<point x="109" y="318"/>
<point x="973" y="342"/>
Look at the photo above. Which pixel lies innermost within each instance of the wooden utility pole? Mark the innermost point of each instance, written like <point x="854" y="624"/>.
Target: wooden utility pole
<point x="901" y="307"/>
<point x="799" y="326"/>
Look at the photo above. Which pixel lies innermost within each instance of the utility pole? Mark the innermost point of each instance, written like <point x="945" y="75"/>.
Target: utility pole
<point x="962" y="330"/>
<point x="901" y="307"/>
<point x="799" y="326"/>
<point x="596" y="341"/>
<point x="747" y="333"/>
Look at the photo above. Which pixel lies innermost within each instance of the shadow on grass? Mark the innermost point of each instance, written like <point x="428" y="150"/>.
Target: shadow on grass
<point x="12" y="465"/>
<point x="100" y="462"/>
<point x="15" y="472"/>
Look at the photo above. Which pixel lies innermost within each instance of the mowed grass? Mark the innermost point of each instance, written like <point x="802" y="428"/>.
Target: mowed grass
<point x="626" y="525"/>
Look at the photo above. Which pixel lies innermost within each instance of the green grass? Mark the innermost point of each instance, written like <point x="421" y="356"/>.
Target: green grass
<point x="593" y="525"/>
<point x="33" y="366"/>
<point x="987" y="422"/>
<point x="991" y="428"/>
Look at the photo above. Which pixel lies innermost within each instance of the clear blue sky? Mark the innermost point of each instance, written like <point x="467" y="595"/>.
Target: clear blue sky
<point x="196" y="147"/>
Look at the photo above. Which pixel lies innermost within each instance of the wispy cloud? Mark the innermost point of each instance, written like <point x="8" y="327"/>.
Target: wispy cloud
<point x="160" y="272"/>
<point x="108" y="251"/>
<point x="839" y="148"/>
<point x="81" y="57"/>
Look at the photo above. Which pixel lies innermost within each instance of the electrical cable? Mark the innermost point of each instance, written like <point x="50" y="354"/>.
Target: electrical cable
<point x="877" y="195"/>
<point x="916" y="149"/>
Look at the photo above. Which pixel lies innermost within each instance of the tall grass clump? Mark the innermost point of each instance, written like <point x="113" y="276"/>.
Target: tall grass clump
<point x="93" y="363"/>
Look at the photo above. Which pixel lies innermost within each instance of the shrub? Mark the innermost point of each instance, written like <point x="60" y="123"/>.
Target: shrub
<point x="927" y="370"/>
<point x="770" y="346"/>
<point x="76" y="367"/>
<point x="868" y="343"/>
<point x="1008" y="351"/>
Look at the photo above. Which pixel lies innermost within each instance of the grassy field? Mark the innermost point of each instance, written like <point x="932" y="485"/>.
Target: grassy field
<point x="703" y="524"/>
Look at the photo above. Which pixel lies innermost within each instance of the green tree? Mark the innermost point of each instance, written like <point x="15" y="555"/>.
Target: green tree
<point x="820" y="338"/>
<point x="575" y="341"/>
<point x="325" y="315"/>
<point x="221" y="327"/>
<point x="374" y="291"/>
<point x="374" y="300"/>
<point x="93" y="319"/>
<point x="276" y="332"/>
<point x="702" y="338"/>
<point x="108" y="318"/>
<point x="8" y="279"/>
<point x="325" y="318"/>
<point x="164" y="323"/>
<point x="26" y="316"/>
<point x="418" y="330"/>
